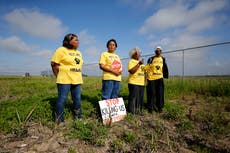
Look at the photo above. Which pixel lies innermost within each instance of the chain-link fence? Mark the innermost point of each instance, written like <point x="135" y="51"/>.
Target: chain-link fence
<point x="206" y="60"/>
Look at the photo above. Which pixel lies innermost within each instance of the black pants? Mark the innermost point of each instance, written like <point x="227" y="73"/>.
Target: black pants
<point x="155" y="95"/>
<point x="136" y="98"/>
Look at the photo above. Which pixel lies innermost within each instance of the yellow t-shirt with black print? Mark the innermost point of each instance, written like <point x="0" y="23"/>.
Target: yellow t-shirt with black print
<point x="70" y="69"/>
<point x="154" y="70"/>
<point x="138" y="78"/>
<point x="110" y="60"/>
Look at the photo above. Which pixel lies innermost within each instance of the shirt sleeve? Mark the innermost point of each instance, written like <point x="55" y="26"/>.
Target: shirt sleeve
<point x="102" y="59"/>
<point x="131" y="64"/>
<point x="81" y="57"/>
<point x="57" y="56"/>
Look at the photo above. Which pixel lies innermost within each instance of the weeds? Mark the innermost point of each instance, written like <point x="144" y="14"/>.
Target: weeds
<point x="117" y="145"/>
<point x="129" y="136"/>
<point x="173" y="111"/>
<point x="185" y="124"/>
<point x="20" y="129"/>
<point x="72" y="150"/>
<point x="214" y="123"/>
<point x="93" y="133"/>
<point x="23" y="100"/>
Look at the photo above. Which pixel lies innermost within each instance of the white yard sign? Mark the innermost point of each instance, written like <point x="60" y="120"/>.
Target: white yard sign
<point x="112" y="110"/>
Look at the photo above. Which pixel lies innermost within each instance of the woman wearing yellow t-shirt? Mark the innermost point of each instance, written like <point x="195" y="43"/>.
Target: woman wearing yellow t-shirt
<point x="111" y="66"/>
<point x="136" y="82"/>
<point x="67" y="64"/>
<point x="157" y="69"/>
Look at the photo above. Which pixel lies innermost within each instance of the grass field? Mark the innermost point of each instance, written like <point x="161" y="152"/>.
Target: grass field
<point x="196" y="115"/>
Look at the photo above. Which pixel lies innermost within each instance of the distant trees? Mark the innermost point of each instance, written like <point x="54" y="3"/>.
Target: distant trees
<point x="27" y="74"/>
<point x="47" y="73"/>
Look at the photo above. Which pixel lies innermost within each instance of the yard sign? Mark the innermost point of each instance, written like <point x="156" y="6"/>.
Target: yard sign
<point x="112" y="110"/>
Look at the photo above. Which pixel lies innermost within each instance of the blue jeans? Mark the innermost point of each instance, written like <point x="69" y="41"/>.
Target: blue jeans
<point x="63" y="91"/>
<point x="110" y="89"/>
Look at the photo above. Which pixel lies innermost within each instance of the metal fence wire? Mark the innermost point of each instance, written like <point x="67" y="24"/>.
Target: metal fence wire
<point x="206" y="60"/>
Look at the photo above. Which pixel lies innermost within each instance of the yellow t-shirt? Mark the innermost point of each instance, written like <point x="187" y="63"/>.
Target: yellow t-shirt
<point x="154" y="70"/>
<point x="138" y="78"/>
<point x="110" y="60"/>
<point x="70" y="69"/>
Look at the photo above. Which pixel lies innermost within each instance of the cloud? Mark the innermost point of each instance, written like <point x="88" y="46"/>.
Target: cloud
<point x="185" y="40"/>
<point x="204" y="15"/>
<point x="85" y="38"/>
<point x="46" y="54"/>
<point x="14" y="44"/>
<point x="180" y="25"/>
<point x="161" y="42"/>
<point x="195" y="62"/>
<point x="35" y="23"/>
<point x="140" y="4"/>
<point x="92" y="52"/>
<point x="88" y="42"/>
<point x="164" y="19"/>
<point x="201" y="16"/>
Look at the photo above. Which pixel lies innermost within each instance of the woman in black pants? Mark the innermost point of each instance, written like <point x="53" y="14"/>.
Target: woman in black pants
<point x="136" y="82"/>
<point x="157" y="70"/>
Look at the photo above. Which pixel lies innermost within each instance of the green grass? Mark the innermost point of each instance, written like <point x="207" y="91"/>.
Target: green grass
<point x="23" y="100"/>
<point x="209" y="86"/>
<point x="173" y="111"/>
<point x="91" y="132"/>
<point x="23" y="94"/>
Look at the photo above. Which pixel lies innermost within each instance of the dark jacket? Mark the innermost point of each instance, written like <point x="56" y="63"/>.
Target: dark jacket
<point x="165" y="67"/>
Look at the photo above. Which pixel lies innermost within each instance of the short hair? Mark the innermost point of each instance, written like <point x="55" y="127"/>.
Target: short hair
<point x="158" y="47"/>
<point x="107" y="44"/>
<point x="134" y="51"/>
<point x="67" y="39"/>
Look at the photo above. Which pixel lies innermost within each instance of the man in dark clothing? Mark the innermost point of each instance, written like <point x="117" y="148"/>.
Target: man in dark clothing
<point x="156" y="70"/>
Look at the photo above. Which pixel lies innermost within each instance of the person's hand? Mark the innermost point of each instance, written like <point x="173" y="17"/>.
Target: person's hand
<point x="141" y="62"/>
<point x="117" y="73"/>
<point x="55" y="68"/>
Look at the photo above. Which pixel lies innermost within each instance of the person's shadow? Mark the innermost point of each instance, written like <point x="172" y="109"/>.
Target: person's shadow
<point x="52" y="102"/>
<point x="93" y="100"/>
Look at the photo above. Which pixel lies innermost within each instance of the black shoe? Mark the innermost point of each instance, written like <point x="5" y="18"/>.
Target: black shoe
<point x="150" y="111"/>
<point x="160" y="110"/>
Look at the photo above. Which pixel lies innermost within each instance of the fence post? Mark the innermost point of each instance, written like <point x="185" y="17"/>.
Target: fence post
<point x="183" y="75"/>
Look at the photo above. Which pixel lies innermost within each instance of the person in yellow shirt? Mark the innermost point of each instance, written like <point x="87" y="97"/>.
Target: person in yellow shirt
<point x="111" y="66"/>
<point x="66" y="64"/>
<point x="156" y="70"/>
<point x="136" y="82"/>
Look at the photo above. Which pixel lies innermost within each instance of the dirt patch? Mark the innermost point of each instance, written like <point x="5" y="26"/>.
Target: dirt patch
<point x="152" y="135"/>
<point x="145" y="133"/>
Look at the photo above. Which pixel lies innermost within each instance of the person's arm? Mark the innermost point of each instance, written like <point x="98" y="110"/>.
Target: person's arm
<point x="135" y="68"/>
<point x="55" y="68"/>
<point x="165" y="69"/>
<point x="106" y="69"/>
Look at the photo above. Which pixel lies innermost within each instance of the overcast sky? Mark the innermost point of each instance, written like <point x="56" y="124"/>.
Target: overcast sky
<point x="31" y="30"/>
